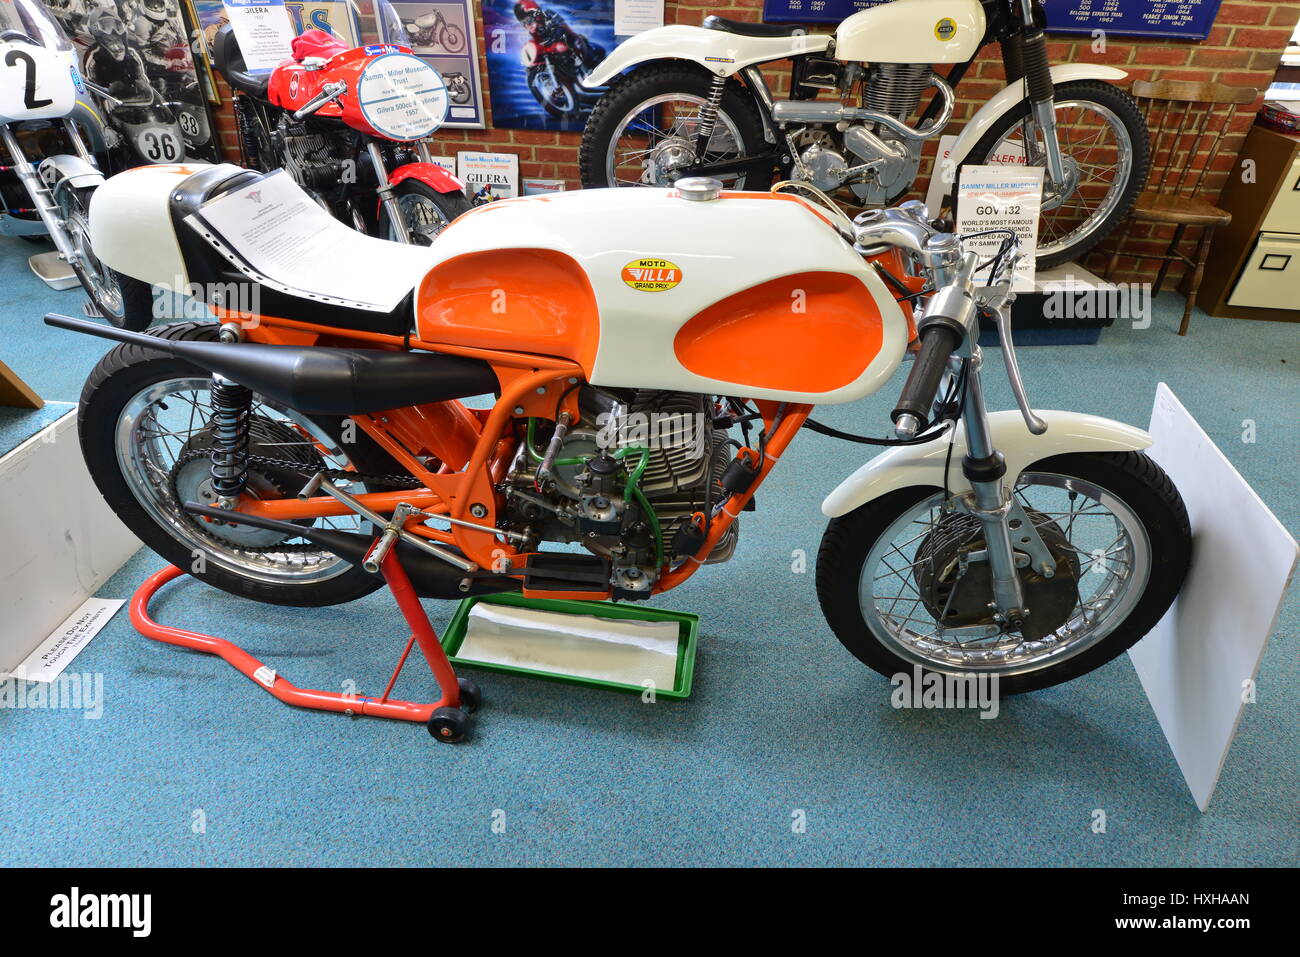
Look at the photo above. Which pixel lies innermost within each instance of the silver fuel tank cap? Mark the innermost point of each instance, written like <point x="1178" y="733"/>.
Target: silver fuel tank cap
<point x="698" y="189"/>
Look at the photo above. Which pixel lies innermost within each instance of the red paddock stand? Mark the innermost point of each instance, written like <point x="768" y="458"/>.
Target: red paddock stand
<point x="447" y="718"/>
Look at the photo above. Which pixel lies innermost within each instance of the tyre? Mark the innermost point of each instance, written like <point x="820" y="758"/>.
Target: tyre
<point x="144" y="427"/>
<point x="898" y="587"/>
<point x="137" y="303"/>
<point x="425" y="211"/>
<point x="639" y="132"/>
<point x="1106" y="145"/>
<point x="451" y="39"/>
<point x="552" y="92"/>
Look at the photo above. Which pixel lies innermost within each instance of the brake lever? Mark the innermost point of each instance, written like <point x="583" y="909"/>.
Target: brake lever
<point x="999" y="303"/>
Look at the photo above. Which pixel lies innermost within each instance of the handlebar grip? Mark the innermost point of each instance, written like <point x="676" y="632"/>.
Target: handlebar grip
<point x="938" y="343"/>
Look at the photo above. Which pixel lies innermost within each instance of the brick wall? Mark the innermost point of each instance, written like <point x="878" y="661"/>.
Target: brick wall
<point x="1243" y="49"/>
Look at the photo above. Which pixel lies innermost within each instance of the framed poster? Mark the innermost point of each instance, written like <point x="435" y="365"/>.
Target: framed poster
<point x="1178" y="19"/>
<point x="442" y="35"/>
<point x="490" y="176"/>
<point x="139" y="50"/>
<point x="537" y="53"/>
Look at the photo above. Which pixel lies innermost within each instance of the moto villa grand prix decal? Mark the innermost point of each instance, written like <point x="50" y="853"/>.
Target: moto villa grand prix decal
<point x="651" y="275"/>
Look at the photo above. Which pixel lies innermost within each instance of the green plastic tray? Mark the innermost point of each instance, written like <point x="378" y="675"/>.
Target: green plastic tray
<point x="688" y="636"/>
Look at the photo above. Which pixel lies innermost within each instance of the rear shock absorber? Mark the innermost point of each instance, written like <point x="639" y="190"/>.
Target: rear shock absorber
<point x="709" y="116"/>
<point x="231" y="404"/>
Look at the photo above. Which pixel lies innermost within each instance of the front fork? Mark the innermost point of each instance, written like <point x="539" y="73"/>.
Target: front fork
<point x="1042" y="100"/>
<point x="1011" y="539"/>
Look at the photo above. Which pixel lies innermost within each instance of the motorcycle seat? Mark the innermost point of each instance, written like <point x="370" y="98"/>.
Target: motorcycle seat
<point x="209" y="268"/>
<point x="230" y="64"/>
<point x="744" y="28"/>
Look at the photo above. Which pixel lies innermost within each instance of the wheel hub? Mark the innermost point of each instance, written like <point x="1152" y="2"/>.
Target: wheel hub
<point x="955" y="582"/>
<point x="673" y="154"/>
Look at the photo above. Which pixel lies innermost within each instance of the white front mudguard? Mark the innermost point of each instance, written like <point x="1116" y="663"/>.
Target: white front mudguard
<point x="1008" y="98"/>
<point x="719" y="52"/>
<point x="923" y="465"/>
<point x="70" y="170"/>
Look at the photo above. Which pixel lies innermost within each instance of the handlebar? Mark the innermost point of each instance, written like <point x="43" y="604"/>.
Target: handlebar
<point x="938" y="343"/>
<point x="329" y="92"/>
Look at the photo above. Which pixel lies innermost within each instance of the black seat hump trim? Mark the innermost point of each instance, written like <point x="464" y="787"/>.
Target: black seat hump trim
<point x="745" y="29"/>
<point x="205" y="265"/>
<point x="230" y="64"/>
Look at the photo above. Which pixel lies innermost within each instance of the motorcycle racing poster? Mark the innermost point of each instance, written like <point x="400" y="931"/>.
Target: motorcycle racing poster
<point x="139" y="51"/>
<point x="442" y="35"/>
<point x="538" y="51"/>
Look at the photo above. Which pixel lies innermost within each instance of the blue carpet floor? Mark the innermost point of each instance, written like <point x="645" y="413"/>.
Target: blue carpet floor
<point x="192" y="764"/>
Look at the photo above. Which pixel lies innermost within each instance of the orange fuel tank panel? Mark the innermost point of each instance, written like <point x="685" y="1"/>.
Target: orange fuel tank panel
<point x="515" y="300"/>
<point x="810" y="332"/>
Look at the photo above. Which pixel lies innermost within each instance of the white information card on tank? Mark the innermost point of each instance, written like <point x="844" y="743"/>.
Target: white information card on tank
<point x="286" y="237"/>
<point x="1000" y="198"/>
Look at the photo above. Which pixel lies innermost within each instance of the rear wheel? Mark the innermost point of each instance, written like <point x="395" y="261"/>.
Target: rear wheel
<point x="145" y="427"/>
<point x="643" y="130"/>
<point x="902" y="584"/>
<point x="425" y="211"/>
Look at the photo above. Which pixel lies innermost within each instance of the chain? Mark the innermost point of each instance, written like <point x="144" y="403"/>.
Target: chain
<point x="391" y="480"/>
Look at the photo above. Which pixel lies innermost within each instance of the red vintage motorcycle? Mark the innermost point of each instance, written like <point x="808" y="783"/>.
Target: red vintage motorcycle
<point x="347" y="125"/>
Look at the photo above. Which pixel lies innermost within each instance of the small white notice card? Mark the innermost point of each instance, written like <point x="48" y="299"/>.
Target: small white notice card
<point x="1002" y="197"/>
<point x="263" y="30"/>
<point x="637" y="16"/>
<point x="57" y="651"/>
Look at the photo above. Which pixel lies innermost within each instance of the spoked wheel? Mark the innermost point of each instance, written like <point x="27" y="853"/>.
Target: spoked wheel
<point x="425" y="211"/>
<point x="643" y="132"/>
<point x="1104" y="142"/>
<point x="551" y="93"/>
<point x="100" y="282"/>
<point x="451" y="39"/>
<point x="903" y="580"/>
<point x="145" y="422"/>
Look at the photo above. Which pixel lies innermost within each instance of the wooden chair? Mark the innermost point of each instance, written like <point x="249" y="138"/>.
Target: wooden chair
<point x="1188" y="122"/>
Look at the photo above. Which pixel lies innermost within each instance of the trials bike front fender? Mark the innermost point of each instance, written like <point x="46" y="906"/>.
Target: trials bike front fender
<point x="1012" y="95"/>
<point x="719" y="52"/>
<point x="906" y="466"/>
<point x="432" y="175"/>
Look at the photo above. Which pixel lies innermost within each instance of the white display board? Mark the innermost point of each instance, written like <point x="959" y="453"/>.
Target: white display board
<point x="264" y="32"/>
<point x="1199" y="665"/>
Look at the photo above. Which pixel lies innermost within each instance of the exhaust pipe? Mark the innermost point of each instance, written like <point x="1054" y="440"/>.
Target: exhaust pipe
<point x="431" y="576"/>
<point x="318" y="379"/>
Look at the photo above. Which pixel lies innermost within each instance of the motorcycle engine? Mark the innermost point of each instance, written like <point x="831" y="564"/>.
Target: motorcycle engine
<point x="586" y="499"/>
<point x="315" y="161"/>
<point x="896" y="89"/>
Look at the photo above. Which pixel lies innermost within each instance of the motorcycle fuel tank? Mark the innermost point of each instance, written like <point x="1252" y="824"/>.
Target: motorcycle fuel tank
<point x="750" y="294"/>
<point x="912" y="31"/>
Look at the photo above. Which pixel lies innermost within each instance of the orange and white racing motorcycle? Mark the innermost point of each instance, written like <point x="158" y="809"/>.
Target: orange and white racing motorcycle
<point x="652" y="357"/>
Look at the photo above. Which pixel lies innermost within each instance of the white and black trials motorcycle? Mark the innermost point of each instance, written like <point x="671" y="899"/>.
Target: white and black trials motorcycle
<point x="650" y="373"/>
<point x="43" y="95"/>
<point x="693" y="101"/>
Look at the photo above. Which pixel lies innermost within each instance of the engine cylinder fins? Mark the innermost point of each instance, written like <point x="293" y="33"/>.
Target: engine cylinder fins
<point x="896" y="88"/>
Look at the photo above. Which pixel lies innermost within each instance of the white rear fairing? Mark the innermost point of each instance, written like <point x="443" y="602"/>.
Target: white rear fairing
<point x="717" y="51"/>
<point x="720" y="248"/>
<point x="131" y="227"/>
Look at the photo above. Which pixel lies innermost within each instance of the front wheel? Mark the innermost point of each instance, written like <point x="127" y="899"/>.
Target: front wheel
<point x="552" y="92"/>
<point x="646" y="129"/>
<point x="1105" y="147"/>
<point x="451" y="39"/>
<point x="425" y="211"/>
<point x="903" y="583"/>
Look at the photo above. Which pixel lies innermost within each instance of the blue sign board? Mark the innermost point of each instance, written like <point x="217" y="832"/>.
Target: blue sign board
<point x="1183" y="19"/>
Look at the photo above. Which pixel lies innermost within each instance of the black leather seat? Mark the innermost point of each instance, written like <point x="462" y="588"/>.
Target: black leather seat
<point x="744" y="28"/>
<point x="230" y="64"/>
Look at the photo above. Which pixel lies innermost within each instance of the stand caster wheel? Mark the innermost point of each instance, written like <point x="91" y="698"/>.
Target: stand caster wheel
<point x="448" y="724"/>
<point x="471" y="698"/>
